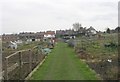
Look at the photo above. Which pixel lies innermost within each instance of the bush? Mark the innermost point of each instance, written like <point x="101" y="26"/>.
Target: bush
<point x="71" y="43"/>
<point x="111" y="45"/>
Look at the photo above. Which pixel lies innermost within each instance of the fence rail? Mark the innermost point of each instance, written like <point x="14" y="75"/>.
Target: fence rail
<point x="19" y="64"/>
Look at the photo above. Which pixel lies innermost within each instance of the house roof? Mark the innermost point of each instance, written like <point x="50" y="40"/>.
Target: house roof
<point x="40" y="33"/>
<point x="91" y="28"/>
<point x="50" y="33"/>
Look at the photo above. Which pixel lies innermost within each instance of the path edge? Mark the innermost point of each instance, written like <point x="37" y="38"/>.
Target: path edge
<point x="34" y="70"/>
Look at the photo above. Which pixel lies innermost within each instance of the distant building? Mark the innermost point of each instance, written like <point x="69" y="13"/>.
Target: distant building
<point x="9" y="37"/>
<point x="91" y="31"/>
<point x="39" y="36"/>
<point x="66" y="34"/>
<point x="30" y="36"/>
<point x="27" y="36"/>
<point x="82" y="31"/>
<point x="60" y="33"/>
<point x="49" y="34"/>
<point x="117" y="30"/>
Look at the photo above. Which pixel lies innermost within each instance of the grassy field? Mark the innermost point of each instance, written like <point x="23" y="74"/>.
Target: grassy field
<point x="62" y="64"/>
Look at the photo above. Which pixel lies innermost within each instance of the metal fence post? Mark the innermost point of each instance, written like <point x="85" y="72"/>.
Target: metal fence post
<point x="6" y="71"/>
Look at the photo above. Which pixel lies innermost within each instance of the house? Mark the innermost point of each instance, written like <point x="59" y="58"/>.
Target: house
<point x="9" y="37"/>
<point x="81" y="31"/>
<point x="91" y="31"/>
<point x="27" y="36"/>
<point x="31" y="36"/>
<point x="117" y="30"/>
<point x="49" y="34"/>
<point x="39" y="36"/>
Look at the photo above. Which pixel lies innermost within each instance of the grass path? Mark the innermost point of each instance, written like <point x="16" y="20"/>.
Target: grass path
<point x="62" y="64"/>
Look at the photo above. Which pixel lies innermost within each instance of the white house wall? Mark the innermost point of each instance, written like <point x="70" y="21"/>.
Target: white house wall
<point x="49" y="36"/>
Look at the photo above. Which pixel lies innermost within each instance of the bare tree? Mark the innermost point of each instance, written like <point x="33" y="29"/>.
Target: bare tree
<point x="76" y="26"/>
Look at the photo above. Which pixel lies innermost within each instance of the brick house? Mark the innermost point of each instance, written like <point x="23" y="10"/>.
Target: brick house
<point x="49" y="34"/>
<point x="26" y="35"/>
<point x="39" y="35"/>
<point x="9" y="37"/>
<point x="30" y="36"/>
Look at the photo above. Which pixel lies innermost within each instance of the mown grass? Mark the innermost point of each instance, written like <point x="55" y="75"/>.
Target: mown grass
<point x="62" y="64"/>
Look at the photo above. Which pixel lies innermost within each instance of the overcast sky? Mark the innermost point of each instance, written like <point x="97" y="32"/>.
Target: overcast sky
<point x="41" y="15"/>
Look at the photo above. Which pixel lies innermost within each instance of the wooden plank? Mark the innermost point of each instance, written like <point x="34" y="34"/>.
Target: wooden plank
<point x="11" y="55"/>
<point x="19" y="51"/>
<point x="16" y="53"/>
<point x="12" y="67"/>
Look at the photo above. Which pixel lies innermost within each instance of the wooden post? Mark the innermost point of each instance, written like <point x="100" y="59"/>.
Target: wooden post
<point x="35" y="56"/>
<point x="38" y="55"/>
<point x="30" y="60"/>
<point x="6" y="71"/>
<point x="20" y="65"/>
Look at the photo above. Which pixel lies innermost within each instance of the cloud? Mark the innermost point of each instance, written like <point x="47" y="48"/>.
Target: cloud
<point x="40" y="15"/>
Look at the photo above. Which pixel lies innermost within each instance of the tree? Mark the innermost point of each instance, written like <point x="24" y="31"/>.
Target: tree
<point x="108" y="30"/>
<point x="76" y="26"/>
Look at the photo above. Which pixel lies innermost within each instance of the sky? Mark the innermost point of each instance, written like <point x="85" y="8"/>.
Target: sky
<point x="42" y="15"/>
